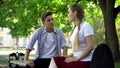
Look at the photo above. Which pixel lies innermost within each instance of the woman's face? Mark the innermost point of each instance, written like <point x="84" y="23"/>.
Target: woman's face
<point x="71" y="15"/>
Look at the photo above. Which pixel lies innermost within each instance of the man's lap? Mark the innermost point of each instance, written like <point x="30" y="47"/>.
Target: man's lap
<point x="42" y="62"/>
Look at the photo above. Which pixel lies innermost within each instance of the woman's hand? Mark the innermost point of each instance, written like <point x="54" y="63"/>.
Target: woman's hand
<point x="70" y="59"/>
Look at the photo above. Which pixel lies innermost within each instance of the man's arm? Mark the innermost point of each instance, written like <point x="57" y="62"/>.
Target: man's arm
<point x="27" y="53"/>
<point x="26" y="59"/>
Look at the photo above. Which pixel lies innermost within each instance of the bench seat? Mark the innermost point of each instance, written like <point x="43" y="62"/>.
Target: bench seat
<point x="18" y="62"/>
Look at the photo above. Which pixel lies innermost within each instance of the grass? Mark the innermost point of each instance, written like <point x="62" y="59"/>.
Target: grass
<point x="4" y="62"/>
<point x="117" y="65"/>
<point x="11" y="49"/>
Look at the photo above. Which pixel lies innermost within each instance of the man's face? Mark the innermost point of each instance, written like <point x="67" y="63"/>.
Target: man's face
<point x="49" y="22"/>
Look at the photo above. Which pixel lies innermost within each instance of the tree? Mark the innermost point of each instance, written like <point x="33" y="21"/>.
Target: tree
<point x="26" y="15"/>
<point x="22" y="17"/>
<point x="110" y="12"/>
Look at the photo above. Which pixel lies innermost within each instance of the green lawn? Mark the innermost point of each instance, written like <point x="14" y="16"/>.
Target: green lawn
<point x="4" y="61"/>
<point x="117" y="65"/>
<point x="11" y="49"/>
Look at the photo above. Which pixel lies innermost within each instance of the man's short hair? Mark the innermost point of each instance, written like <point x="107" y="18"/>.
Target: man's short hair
<point x="44" y="15"/>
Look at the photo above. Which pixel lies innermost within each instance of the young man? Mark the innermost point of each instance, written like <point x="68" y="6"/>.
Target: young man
<point x="50" y="42"/>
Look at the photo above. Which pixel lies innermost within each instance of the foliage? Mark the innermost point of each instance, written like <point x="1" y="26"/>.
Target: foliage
<point x="22" y="17"/>
<point x="117" y="26"/>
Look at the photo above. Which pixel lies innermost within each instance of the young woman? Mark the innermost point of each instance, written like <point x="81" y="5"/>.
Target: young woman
<point x="81" y="39"/>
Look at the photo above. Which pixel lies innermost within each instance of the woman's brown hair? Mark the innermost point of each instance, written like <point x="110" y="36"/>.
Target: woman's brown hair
<point x="79" y="9"/>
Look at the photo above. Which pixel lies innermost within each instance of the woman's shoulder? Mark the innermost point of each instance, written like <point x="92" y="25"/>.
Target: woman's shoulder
<point x="86" y="23"/>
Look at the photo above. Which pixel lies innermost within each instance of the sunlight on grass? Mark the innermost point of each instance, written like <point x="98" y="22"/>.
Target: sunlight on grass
<point x="11" y="49"/>
<point x="31" y="57"/>
<point x="3" y="65"/>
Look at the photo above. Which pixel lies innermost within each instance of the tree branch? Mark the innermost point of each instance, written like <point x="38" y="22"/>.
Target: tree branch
<point x="117" y="10"/>
<point x="95" y="1"/>
<point x="77" y="1"/>
<point x="1" y="2"/>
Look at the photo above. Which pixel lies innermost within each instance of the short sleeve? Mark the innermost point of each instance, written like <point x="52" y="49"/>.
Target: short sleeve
<point x="88" y="30"/>
<point x="33" y="39"/>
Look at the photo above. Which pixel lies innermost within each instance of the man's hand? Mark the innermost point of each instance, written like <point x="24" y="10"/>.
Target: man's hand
<point x="30" y="63"/>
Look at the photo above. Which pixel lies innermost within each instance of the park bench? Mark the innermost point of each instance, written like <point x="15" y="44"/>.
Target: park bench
<point x="102" y="58"/>
<point x="16" y="60"/>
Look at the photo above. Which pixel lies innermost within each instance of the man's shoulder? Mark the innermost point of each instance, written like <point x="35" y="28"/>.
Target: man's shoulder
<point x="40" y="28"/>
<point x="57" y="30"/>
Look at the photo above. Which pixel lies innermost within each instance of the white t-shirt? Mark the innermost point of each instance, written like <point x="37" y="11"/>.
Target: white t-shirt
<point x="85" y="30"/>
<point x="49" y="48"/>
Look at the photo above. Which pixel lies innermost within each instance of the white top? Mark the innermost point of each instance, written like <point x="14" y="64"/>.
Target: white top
<point x="85" y="30"/>
<point x="49" y="48"/>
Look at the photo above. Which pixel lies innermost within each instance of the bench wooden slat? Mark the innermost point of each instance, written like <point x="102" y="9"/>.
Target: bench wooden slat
<point x="18" y="62"/>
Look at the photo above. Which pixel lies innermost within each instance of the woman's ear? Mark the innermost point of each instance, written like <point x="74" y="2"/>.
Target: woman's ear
<point x="75" y="13"/>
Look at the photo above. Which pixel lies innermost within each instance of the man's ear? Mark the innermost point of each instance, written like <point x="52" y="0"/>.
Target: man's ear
<point x="43" y="23"/>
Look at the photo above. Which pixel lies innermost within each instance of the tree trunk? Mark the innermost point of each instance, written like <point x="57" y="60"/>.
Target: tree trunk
<point x="17" y="43"/>
<point x="110" y="28"/>
<point x="111" y="35"/>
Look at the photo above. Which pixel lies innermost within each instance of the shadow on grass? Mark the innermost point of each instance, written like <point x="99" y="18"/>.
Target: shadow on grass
<point x="4" y="61"/>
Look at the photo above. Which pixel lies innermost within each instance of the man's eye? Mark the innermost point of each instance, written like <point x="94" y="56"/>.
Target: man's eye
<point x="50" y="19"/>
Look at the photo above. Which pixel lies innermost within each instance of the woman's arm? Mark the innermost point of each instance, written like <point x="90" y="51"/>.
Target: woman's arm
<point x="90" y="46"/>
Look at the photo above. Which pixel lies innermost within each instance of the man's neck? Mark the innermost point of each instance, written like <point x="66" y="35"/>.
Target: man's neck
<point x="49" y="29"/>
